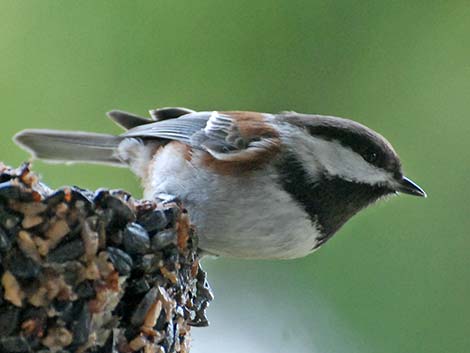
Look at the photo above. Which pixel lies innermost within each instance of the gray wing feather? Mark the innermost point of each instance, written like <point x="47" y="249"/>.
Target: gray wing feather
<point x="181" y="129"/>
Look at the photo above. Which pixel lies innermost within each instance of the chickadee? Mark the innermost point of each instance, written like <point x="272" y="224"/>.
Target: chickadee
<point x="257" y="185"/>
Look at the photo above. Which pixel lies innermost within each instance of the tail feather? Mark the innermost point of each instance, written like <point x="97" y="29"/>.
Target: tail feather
<point x="70" y="146"/>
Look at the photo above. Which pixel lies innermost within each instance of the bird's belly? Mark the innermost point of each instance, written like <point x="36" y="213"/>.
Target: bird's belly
<point x="246" y="217"/>
<point x="259" y="231"/>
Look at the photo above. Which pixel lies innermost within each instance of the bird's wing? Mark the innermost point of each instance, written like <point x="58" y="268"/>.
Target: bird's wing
<point x="129" y="120"/>
<point x="226" y="136"/>
<point x="179" y="129"/>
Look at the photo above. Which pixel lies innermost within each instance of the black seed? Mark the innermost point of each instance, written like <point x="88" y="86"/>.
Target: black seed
<point x="107" y="217"/>
<point x="17" y="193"/>
<point x="100" y="196"/>
<point x="121" y="194"/>
<point x="9" y="318"/>
<point x="72" y="272"/>
<point x="143" y="307"/>
<point x="153" y="220"/>
<point x="9" y="220"/>
<point x="163" y="239"/>
<point x="121" y="213"/>
<point x="5" y="177"/>
<point x="79" y="194"/>
<point x="139" y="285"/>
<point x="81" y="326"/>
<point x="172" y="215"/>
<point x="67" y="252"/>
<point x="22" y="266"/>
<point x="120" y="260"/>
<point x="136" y="239"/>
<point x="85" y="290"/>
<point x="65" y="310"/>
<point x="9" y="191"/>
<point x="55" y="198"/>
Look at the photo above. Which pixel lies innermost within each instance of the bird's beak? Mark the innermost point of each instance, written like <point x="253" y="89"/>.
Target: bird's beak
<point x="407" y="186"/>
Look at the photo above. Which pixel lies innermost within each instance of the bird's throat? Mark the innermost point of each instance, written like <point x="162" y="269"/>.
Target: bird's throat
<point x="329" y="201"/>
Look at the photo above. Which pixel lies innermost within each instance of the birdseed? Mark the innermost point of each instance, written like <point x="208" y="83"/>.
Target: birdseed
<point x="95" y="272"/>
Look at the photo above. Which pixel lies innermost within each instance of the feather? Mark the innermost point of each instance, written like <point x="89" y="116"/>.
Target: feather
<point x="70" y="146"/>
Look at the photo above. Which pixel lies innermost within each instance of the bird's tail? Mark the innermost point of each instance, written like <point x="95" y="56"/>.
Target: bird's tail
<point x="70" y="146"/>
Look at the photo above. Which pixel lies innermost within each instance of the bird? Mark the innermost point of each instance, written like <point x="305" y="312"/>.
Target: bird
<point x="256" y="185"/>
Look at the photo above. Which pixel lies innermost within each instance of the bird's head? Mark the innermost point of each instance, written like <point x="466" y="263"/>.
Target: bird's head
<point x="337" y="166"/>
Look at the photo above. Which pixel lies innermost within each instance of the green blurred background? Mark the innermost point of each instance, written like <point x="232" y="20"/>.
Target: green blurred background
<point x="396" y="277"/>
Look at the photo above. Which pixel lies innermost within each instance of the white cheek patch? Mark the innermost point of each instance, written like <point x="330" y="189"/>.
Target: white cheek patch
<point x="318" y="154"/>
<point x="344" y="162"/>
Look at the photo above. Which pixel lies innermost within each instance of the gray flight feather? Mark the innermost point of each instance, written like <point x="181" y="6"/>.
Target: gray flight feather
<point x="181" y="129"/>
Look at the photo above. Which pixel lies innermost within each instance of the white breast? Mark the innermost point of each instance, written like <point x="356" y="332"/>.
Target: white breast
<point x="249" y="217"/>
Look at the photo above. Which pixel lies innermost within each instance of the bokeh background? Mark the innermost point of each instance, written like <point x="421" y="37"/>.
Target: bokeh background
<point x="396" y="277"/>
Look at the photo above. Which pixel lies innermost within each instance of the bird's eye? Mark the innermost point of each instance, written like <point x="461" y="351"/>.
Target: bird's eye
<point x="371" y="157"/>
